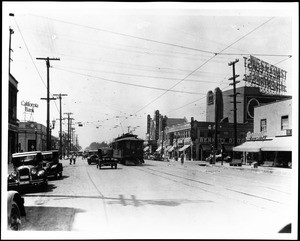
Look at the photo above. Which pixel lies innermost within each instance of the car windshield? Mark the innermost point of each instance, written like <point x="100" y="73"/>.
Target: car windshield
<point x="107" y="152"/>
<point x="26" y="160"/>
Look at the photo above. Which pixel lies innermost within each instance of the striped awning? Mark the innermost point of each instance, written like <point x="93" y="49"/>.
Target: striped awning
<point x="184" y="147"/>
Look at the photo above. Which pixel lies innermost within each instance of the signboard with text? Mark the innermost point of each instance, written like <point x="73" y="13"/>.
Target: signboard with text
<point x="269" y="78"/>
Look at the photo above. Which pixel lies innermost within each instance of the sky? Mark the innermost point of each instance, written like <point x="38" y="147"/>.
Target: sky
<point x="119" y="62"/>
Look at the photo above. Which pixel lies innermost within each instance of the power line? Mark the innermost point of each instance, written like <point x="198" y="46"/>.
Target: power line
<point x="136" y="85"/>
<point x="213" y="57"/>
<point x="144" y="76"/>
<point x="164" y="43"/>
<point x="32" y="58"/>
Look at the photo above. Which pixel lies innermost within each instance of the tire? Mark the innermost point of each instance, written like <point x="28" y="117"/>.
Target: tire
<point x="45" y="186"/>
<point x="115" y="166"/>
<point x="56" y="175"/>
<point x="15" y="218"/>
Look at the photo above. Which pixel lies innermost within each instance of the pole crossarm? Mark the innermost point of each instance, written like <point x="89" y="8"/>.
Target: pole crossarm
<point x="48" y="99"/>
<point x="60" y="122"/>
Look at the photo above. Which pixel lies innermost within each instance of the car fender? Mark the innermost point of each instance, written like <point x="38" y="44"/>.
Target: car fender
<point x="15" y="196"/>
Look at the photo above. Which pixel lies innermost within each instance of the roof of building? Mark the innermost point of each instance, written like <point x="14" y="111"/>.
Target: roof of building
<point x="176" y="121"/>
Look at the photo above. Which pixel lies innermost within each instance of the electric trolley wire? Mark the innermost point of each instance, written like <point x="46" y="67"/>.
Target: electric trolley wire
<point x="125" y="83"/>
<point x="160" y="42"/>
<point x="206" y="63"/>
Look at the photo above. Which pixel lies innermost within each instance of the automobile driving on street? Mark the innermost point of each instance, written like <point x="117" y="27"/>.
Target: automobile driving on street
<point x="92" y="157"/>
<point x="105" y="158"/>
<point x="28" y="171"/>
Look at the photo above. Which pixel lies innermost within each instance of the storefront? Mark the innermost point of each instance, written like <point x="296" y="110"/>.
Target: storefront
<point x="272" y="151"/>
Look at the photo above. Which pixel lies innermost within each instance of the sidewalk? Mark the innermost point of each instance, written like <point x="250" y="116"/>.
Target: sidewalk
<point x="259" y="169"/>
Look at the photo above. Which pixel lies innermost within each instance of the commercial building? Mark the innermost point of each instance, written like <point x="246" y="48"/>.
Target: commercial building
<point x="271" y="141"/>
<point x="13" y="122"/>
<point x="33" y="136"/>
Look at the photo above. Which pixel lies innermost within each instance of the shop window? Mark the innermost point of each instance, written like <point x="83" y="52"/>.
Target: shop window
<point x="263" y="125"/>
<point x="284" y="122"/>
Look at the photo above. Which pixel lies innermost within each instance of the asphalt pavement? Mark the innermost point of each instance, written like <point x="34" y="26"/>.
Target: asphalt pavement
<point x="189" y="163"/>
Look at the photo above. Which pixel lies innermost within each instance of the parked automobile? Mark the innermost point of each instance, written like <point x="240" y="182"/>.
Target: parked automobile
<point x="28" y="171"/>
<point x="105" y="158"/>
<point x="15" y="210"/>
<point x="92" y="157"/>
<point x="51" y="163"/>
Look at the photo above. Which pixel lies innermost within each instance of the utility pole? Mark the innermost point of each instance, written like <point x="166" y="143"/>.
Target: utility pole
<point x="69" y="131"/>
<point x="60" y="122"/>
<point x="48" y="98"/>
<point x="9" y="58"/>
<point x="234" y="99"/>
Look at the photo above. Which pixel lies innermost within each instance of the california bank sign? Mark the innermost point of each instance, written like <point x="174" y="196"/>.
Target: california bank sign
<point x="29" y="107"/>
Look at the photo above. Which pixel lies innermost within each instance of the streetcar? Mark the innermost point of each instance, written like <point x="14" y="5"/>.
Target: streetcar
<point x="128" y="149"/>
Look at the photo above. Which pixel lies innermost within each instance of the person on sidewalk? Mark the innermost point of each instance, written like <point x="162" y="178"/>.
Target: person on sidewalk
<point x="182" y="158"/>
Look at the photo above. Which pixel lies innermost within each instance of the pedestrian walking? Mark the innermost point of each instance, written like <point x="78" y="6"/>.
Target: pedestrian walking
<point x="74" y="159"/>
<point x="182" y="158"/>
<point x="71" y="160"/>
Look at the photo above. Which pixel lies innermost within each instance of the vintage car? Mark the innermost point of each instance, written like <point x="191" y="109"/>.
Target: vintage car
<point x="15" y="210"/>
<point x="28" y="171"/>
<point x="51" y="163"/>
<point x="92" y="157"/>
<point x="105" y="158"/>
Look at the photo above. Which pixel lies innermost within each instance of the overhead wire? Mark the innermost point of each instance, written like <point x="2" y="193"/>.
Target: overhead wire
<point x="130" y="84"/>
<point x="32" y="58"/>
<point x="154" y="41"/>
<point x="224" y="50"/>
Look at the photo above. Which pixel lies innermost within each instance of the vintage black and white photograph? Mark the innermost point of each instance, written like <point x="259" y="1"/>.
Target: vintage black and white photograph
<point x="149" y="120"/>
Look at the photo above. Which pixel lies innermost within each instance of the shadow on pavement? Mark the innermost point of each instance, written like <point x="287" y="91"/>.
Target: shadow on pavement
<point x="39" y="218"/>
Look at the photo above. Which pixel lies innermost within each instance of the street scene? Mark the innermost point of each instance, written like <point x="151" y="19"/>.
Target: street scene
<point x="162" y="200"/>
<point x="149" y="120"/>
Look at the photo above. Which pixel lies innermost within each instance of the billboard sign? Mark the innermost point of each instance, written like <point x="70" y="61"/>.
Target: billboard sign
<point x="269" y="78"/>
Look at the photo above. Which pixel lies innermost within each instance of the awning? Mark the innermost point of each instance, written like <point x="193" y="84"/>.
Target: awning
<point x="146" y="148"/>
<point x="167" y="148"/>
<point x="171" y="149"/>
<point x="283" y="143"/>
<point x="248" y="146"/>
<point x="158" y="149"/>
<point x="183" y="148"/>
<point x="251" y="146"/>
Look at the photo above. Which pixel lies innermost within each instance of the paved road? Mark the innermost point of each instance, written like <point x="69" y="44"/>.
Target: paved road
<point x="162" y="200"/>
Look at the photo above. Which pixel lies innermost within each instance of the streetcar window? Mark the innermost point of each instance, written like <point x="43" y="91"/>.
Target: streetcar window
<point x="127" y="145"/>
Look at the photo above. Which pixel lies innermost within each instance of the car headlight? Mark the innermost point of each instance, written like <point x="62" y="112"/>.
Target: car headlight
<point x="33" y="171"/>
<point x="41" y="173"/>
<point x="14" y="174"/>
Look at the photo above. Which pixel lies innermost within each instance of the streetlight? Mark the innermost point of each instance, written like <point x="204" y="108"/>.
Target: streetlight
<point x="51" y="127"/>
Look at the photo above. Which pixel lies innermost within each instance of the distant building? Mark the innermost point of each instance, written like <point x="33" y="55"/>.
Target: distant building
<point x="247" y="99"/>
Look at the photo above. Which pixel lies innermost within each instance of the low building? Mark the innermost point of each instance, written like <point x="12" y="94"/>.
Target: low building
<point x="33" y="136"/>
<point x="271" y="142"/>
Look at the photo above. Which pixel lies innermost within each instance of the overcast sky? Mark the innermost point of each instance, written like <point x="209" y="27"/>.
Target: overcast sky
<point x="120" y="62"/>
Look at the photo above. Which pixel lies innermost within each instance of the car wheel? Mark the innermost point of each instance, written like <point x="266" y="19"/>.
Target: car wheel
<point x="60" y="174"/>
<point x="45" y="185"/>
<point x="115" y="166"/>
<point x="15" y="218"/>
<point x="56" y="175"/>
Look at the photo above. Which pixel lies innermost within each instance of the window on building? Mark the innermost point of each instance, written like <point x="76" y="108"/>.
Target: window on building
<point x="284" y="122"/>
<point x="263" y="125"/>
